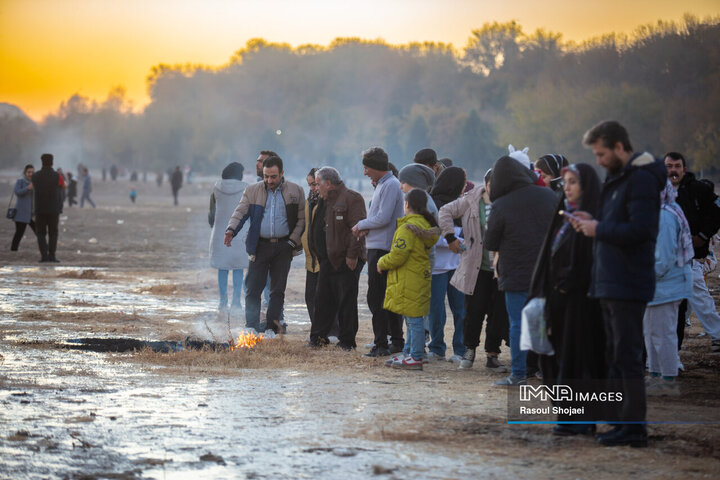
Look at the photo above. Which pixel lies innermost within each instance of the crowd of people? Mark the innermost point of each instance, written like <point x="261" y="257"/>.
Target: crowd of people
<point x="617" y="264"/>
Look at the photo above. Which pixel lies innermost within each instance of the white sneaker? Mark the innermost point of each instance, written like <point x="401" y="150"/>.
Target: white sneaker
<point x="434" y="357"/>
<point x="455" y="359"/>
<point x="370" y="345"/>
<point x="397" y="358"/>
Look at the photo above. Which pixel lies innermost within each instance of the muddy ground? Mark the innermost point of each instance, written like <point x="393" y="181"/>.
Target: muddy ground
<point x="279" y="411"/>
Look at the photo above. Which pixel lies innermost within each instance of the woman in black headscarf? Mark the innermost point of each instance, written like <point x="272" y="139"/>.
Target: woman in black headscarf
<point x="550" y="169"/>
<point x="574" y="322"/>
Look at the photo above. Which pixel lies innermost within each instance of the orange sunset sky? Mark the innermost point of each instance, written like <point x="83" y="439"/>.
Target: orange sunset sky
<point x="52" y="49"/>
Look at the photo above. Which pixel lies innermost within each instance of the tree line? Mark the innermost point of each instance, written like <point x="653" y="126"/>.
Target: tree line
<point x="322" y="105"/>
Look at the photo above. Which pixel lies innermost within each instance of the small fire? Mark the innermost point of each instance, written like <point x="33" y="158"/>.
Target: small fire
<point x="246" y="340"/>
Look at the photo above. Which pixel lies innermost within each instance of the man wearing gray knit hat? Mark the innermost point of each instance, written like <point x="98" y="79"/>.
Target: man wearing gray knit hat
<point x="417" y="175"/>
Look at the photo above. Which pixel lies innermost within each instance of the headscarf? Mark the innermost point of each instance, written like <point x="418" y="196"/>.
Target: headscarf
<point x="589" y="199"/>
<point x="448" y="186"/>
<point x="685" y="251"/>
<point x="233" y="171"/>
<point x="553" y="164"/>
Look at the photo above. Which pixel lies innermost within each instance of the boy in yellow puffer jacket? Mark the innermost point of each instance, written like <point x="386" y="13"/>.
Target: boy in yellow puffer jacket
<point x="409" y="277"/>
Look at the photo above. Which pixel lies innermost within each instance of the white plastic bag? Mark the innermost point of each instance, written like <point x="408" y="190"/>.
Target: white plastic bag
<point x="533" y="333"/>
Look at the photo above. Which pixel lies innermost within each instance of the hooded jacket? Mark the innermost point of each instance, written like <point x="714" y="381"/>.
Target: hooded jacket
<point x="628" y="216"/>
<point x="521" y="215"/>
<point x="225" y="197"/>
<point x="408" y="266"/>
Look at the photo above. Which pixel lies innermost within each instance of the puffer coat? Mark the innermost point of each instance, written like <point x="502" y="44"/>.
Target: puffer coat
<point x="408" y="266"/>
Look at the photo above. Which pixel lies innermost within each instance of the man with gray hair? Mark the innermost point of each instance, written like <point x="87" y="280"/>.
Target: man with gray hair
<point x="341" y="256"/>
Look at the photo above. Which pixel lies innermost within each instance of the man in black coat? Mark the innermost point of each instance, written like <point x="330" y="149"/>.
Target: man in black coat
<point x="700" y="206"/>
<point x="623" y="274"/>
<point x="47" y="184"/>
<point x="521" y="214"/>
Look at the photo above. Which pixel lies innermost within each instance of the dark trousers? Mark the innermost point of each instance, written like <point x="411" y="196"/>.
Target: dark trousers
<point x="486" y="301"/>
<point x="273" y="259"/>
<point x="336" y="297"/>
<point x="311" y="279"/>
<point x="623" y="321"/>
<point x="682" y="311"/>
<point x="175" y="196"/>
<point x="19" y="232"/>
<point x="384" y="322"/>
<point x="47" y="224"/>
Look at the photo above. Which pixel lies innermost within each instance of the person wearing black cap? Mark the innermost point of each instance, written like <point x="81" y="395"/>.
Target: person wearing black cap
<point x="47" y="184"/>
<point x="428" y="157"/>
<point x="379" y="227"/>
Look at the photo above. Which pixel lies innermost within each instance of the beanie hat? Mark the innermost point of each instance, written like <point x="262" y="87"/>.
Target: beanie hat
<point x="426" y="156"/>
<point x="520" y="155"/>
<point x="233" y="171"/>
<point x="376" y="158"/>
<point x="417" y="175"/>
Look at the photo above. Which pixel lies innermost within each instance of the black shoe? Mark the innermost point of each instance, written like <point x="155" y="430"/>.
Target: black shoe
<point x="44" y="260"/>
<point x="610" y="433"/>
<point x="392" y="348"/>
<point x="574" y="429"/>
<point x="53" y="260"/>
<point x="344" y="347"/>
<point x="318" y="342"/>
<point x="377" y="352"/>
<point x="626" y="436"/>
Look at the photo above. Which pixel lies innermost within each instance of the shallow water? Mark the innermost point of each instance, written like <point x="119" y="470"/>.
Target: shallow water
<point x="67" y="414"/>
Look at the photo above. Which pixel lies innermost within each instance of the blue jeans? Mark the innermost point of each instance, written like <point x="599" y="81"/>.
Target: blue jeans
<point x="441" y="287"/>
<point x="514" y="303"/>
<point x="237" y="287"/>
<point x="415" y="338"/>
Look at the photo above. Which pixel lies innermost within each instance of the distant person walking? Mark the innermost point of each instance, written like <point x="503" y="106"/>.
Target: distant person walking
<point x="71" y="190"/>
<point x="47" y="185"/>
<point x="386" y="207"/>
<point x="176" y="180"/>
<point x="23" y="191"/>
<point x="113" y="172"/>
<point x="86" y="189"/>
<point x="226" y="195"/>
<point x="277" y="220"/>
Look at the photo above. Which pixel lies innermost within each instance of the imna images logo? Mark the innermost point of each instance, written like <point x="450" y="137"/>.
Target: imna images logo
<point x="555" y="393"/>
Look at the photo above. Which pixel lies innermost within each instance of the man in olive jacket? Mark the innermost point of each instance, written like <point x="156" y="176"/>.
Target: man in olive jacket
<point x="341" y="256"/>
<point x="48" y="185"/>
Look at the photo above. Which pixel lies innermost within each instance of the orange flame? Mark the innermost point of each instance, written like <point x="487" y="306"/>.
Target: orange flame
<point x="246" y="340"/>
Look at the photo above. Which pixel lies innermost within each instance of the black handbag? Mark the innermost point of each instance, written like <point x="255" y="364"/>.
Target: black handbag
<point x="11" y="211"/>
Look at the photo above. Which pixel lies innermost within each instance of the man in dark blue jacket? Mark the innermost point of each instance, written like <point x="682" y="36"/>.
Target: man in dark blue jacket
<point x="623" y="274"/>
